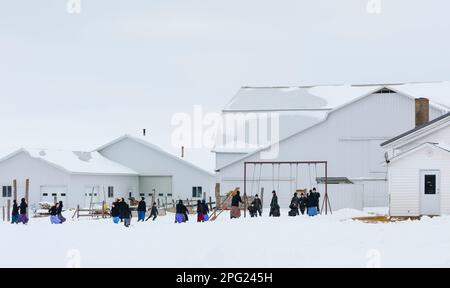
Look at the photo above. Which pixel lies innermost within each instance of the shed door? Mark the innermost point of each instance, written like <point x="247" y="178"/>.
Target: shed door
<point x="430" y="203"/>
<point x="161" y="186"/>
<point x="52" y="193"/>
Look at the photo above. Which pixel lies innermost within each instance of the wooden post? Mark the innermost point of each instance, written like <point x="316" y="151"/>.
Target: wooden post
<point x="103" y="209"/>
<point x="217" y="193"/>
<point x="15" y="189"/>
<point x="4" y="216"/>
<point x="245" y="190"/>
<point x="158" y="203"/>
<point x="210" y="203"/>
<point x="262" y="199"/>
<point x="8" y="211"/>
<point x="27" y="193"/>
<point x="78" y="211"/>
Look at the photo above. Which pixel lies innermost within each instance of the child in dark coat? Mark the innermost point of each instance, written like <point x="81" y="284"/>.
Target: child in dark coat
<point x="153" y="213"/>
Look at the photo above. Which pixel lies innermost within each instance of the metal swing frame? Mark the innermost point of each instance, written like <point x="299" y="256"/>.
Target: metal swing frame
<point x="326" y="200"/>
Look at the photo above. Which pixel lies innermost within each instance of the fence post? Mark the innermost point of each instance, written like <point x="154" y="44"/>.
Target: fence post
<point x="78" y="211"/>
<point x="27" y="193"/>
<point x="210" y="204"/>
<point x="3" y="213"/>
<point x="8" y="210"/>
<point x="262" y="199"/>
<point x="15" y="189"/>
<point x="103" y="209"/>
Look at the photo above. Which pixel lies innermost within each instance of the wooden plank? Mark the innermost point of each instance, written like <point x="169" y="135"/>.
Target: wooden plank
<point x="27" y="193"/>
<point x="8" y="210"/>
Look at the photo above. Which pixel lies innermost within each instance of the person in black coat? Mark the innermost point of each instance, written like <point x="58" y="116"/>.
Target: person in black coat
<point x="15" y="213"/>
<point x="121" y="206"/>
<point x="294" y="206"/>
<point x="142" y="208"/>
<point x="126" y="214"/>
<point x="205" y="210"/>
<point x="23" y="211"/>
<point x="302" y="203"/>
<point x="317" y="199"/>
<point x="153" y="213"/>
<point x="59" y="212"/>
<point x="200" y="212"/>
<point x="274" y="207"/>
<point x="258" y="205"/>
<point x="115" y="212"/>
<point x="181" y="212"/>
<point x="235" y="201"/>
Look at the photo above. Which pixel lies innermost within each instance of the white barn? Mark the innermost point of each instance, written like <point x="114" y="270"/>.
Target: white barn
<point x="127" y="167"/>
<point x="419" y="170"/>
<point x="343" y="125"/>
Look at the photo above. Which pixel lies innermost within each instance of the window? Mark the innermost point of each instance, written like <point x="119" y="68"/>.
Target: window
<point x="7" y="191"/>
<point x="110" y="192"/>
<point x="54" y="194"/>
<point x="142" y="194"/>
<point x="44" y="194"/>
<point x="63" y="194"/>
<point x="197" y="192"/>
<point x="430" y="184"/>
<point x="169" y="194"/>
<point x="161" y="194"/>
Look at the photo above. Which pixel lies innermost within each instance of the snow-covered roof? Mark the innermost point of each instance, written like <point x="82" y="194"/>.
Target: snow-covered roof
<point x="417" y="131"/>
<point x="440" y="146"/>
<point x="435" y="91"/>
<point x="153" y="147"/>
<point x="328" y="97"/>
<point x="75" y="162"/>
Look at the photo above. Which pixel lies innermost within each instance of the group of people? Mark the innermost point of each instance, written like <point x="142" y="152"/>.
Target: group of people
<point x="121" y="212"/>
<point x="182" y="212"/>
<point x="308" y="203"/>
<point x="19" y="212"/>
<point x="55" y="211"/>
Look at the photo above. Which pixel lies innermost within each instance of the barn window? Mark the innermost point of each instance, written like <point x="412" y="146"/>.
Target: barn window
<point x="7" y="191"/>
<point x="110" y="192"/>
<point x="197" y="192"/>
<point x="44" y="194"/>
<point x="142" y="194"/>
<point x="54" y="194"/>
<point x="63" y="194"/>
<point x="161" y="194"/>
<point x="169" y="194"/>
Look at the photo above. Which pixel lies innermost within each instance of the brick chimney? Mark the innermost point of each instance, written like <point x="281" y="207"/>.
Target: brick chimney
<point x="422" y="111"/>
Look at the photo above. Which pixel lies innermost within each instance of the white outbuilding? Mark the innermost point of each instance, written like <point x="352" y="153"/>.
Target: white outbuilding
<point x="418" y="163"/>
<point x="126" y="167"/>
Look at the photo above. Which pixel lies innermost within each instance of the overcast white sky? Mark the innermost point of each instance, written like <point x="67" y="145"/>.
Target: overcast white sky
<point x="76" y="81"/>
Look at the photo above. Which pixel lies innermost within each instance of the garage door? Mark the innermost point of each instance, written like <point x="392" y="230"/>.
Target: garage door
<point x="52" y="193"/>
<point x="160" y="185"/>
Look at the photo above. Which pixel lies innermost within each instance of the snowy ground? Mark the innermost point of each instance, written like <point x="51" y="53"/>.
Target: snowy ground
<point x="323" y="241"/>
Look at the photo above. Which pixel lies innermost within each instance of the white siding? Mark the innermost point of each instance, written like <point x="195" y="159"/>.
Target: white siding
<point x="349" y="140"/>
<point x="404" y="181"/>
<point x="40" y="173"/>
<point x="149" y="162"/>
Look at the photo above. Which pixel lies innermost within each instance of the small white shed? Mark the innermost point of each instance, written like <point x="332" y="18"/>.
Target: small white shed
<point x="418" y="164"/>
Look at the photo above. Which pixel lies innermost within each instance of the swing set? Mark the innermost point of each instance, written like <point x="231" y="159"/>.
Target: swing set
<point x="276" y="180"/>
